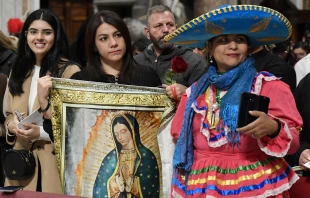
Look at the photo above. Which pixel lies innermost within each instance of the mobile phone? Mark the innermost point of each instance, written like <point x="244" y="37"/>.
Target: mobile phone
<point x="11" y="188"/>
<point x="251" y="102"/>
<point x="19" y="116"/>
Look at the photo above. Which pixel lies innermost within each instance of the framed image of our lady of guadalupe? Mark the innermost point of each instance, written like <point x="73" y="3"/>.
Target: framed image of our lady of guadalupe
<point x="105" y="138"/>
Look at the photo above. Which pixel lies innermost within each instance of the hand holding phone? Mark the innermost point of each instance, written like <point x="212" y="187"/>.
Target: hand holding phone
<point x="251" y="102"/>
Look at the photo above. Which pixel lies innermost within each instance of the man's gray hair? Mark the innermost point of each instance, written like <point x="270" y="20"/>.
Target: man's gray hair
<point x="157" y="9"/>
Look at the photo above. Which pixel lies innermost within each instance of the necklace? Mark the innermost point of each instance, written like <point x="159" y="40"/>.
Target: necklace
<point x="214" y="98"/>
<point x="129" y="154"/>
<point x="216" y="101"/>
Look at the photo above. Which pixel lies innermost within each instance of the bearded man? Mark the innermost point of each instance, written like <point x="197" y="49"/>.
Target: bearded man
<point x="159" y="54"/>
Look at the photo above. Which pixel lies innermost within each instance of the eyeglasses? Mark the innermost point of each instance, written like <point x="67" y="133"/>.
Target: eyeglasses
<point x="34" y="32"/>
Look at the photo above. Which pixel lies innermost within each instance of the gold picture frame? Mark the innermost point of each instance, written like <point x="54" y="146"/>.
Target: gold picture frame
<point x="91" y="147"/>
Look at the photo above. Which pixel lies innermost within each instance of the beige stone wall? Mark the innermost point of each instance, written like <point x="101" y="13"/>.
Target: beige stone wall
<point x="203" y="6"/>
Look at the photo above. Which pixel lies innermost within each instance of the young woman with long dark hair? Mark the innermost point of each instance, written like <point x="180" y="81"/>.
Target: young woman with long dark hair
<point x="109" y="54"/>
<point x="42" y="54"/>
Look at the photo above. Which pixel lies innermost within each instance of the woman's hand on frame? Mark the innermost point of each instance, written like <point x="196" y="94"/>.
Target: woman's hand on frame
<point x="44" y="87"/>
<point x="175" y="91"/>
<point x="43" y="90"/>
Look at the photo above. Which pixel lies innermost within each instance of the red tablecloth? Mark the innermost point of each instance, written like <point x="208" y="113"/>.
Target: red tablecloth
<point x="31" y="194"/>
<point x="301" y="188"/>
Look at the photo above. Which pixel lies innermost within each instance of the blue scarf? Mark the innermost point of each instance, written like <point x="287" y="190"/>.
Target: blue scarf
<point x="236" y="81"/>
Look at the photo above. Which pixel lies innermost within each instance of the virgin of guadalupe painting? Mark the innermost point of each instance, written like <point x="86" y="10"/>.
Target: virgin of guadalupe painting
<point x="128" y="162"/>
<point x="105" y="138"/>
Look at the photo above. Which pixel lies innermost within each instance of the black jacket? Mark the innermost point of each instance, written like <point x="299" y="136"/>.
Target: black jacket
<point x="197" y="66"/>
<point x="266" y="61"/>
<point x="7" y="59"/>
<point x="144" y="76"/>
<point x="302" y="98"/>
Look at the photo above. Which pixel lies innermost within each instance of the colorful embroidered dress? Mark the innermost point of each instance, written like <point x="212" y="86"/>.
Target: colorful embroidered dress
<point x="254" y="167"/>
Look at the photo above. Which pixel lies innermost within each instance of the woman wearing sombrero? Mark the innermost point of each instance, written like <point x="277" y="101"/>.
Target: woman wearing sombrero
<point x="214" y="157"/>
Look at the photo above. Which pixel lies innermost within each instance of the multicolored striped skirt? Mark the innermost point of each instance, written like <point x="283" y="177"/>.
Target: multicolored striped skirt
<point x="234" y="175"/>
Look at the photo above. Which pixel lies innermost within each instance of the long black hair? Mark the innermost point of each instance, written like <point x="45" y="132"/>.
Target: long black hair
<point x="93" y="70"/>
<point x="77" y="47"/>
<point x="26" y="59"/>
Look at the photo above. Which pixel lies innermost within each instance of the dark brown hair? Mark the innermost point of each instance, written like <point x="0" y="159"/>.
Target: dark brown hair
<point x="93" y="70"/>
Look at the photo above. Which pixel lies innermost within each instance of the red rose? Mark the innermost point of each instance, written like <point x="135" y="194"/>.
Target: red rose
<point x="15" y="25"/>
<point x="179" y="65"/>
